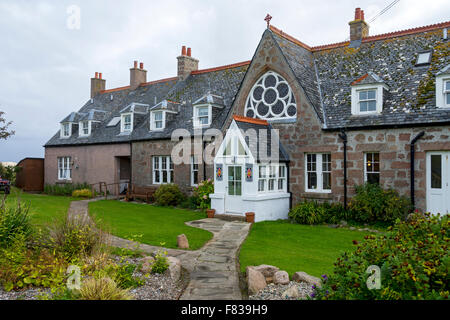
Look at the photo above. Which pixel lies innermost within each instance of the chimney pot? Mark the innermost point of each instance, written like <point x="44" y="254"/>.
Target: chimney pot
<point x="96" y="75"/>
<point x="100" y="75"/>
<point x="189" y="52"/>
<point x="362" y="15"/>
<point x="186" y="63"/>
<point x="141" y="66"/>
<point x="135" y="64"/>
<point x="183" y="50"/>
<point x="137" y="75"/>
<point x="97" y="84"/>
<point x="358" y="14"/>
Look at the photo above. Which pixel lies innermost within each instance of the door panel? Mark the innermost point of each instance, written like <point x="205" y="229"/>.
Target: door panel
<point x="438" y="182"/>
<point x="234" y="190"/>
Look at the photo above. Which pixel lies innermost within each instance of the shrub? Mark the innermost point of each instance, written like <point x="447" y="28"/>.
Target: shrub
<point x="64" y="189"/>
<point x="308" y="212"/>
<point x="413" y="257"/>
<point x="202" y="192"/>
<point x="103" y="289"/>
<point x="190" y="203"/>
<point x="14" y="220"/>
<point x="75" y="237"/>
<point x="372" y="204"/>
<point x="161" y="262"/>
<point x="168" y="195"/>
<point x="123" y="276"/>
<point x="82" y="193"/>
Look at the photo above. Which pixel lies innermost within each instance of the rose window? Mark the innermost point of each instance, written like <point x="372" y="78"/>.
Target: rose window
<point x="271" y="98"/>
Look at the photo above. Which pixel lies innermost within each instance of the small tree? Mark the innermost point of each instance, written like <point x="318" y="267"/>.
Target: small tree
<point x="5" y="133"/>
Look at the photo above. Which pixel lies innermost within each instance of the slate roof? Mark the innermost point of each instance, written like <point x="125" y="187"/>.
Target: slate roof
<point x="222" y="82"/>
<point x="245" y="124"/>
<point x="389" y="59"/>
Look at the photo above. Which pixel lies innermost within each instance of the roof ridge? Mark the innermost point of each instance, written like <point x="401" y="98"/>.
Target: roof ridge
<point x="227" y="66"/>
<point x="250" y="120"/>
<point x="157" y="81"/>
<point x="115" y="89"/>
<point x="377" y="37"/>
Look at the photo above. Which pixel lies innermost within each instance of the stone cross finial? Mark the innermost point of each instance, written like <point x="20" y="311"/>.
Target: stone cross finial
<point x="267" y="19"/>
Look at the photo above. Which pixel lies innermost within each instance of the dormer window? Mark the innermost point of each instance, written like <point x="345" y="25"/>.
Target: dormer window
<point x="443" y="88"/>
<point x="202" y="116"/>
<point x="447" y="92"/>
<point x="367" y="100"/>
<point x="157" y="120"/>
<point x="126" y="123"/>
<point x="84" y="128"/>
<point x="66" y="130"/>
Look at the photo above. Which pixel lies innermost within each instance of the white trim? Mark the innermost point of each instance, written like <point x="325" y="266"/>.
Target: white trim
<point x="193" y="170"/>
<point x="196" y="117"/>
<point x="64" y="168"/>
<point x="379" y="88"/>
<point x="168" y="169"/>
<point x="62" y="133"/>
<point x="319" y="172"/>
<point x="81" y="129"/>
<point x="267" y="178"/>
<point x="122" y="122"/>
<point x="152" y="120"/>
<point x="441" y="92"/>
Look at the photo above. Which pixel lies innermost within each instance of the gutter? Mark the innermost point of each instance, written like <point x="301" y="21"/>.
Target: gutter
<point x="343" y="136"/>
<point x="413" y="142"/>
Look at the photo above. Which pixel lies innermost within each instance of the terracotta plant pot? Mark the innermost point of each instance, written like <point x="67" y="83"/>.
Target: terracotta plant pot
<point x="210" y="213"/>
<point x="250" y="217"/>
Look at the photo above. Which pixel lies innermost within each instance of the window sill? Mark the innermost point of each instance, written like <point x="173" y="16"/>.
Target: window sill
<point x="317" y="195"/>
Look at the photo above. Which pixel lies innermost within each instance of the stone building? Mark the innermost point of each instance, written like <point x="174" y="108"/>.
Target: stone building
<point x="375" y="108"/>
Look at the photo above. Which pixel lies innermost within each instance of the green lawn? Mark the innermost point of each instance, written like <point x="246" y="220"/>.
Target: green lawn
<point x="155" y="224"/>
<point x="43" y="208"/>
<point x="294" y="247"/>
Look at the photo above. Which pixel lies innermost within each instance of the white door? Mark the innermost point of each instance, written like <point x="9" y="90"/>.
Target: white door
<point x="233" y="202"/>
<point x="438" y="182"/>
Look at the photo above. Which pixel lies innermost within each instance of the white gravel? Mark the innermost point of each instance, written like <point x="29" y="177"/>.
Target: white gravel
<point x="275" y="291"/>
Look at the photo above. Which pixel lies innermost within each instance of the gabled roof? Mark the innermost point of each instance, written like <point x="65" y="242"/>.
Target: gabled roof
<point x="368" y="78"/>
<point x="445" y="70"/>
<point x="210" y="99"/>
<point x="134" y="107"/>
<point x="166" y="105"/>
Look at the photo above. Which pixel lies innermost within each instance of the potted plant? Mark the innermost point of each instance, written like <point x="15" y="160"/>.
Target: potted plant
<point x="250" y="217"/>
<point x="210" y="213"/>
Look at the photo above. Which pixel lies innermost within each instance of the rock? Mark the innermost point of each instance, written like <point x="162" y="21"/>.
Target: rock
<point x="352" y="228"/>
<point x="255" y="281"/>
<point x="304" y="277"/>
<point x="334" y="226"/>
<point x="182" y="242"/>
<point x="147" y="264"/>
<point x="174" y="269"/>
<point x="268" y="271"/>
<point x="292" y="292"/>
<point x="281" y="277"/>
<point x="343" y="223"/>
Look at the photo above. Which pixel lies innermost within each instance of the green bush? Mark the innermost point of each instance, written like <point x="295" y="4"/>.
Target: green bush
<point x="123" y="276"/>
<point x="308" y="212"/>
<point x="371" y="204"/>
<point x="14" y="220"/>
<point x="82" y="193"/>
<point x="64" y="189"/>
<point x="103" y="289"/>
<point x="202" y="192"/>
<point x="168" y="195"/>
<point x="413" y="257"/>
<point x="161" y="262"/>
<point x="190" y="203"/>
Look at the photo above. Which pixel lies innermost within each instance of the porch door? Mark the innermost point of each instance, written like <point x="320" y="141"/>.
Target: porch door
<point x="234" y="190"/>
<point x="438" y="182"/>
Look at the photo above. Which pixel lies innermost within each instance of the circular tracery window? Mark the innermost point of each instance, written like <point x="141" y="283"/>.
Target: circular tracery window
<point x="271" y="98"/>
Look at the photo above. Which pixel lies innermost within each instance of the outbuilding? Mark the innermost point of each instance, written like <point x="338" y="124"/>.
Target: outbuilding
<point x="30" y="177"/>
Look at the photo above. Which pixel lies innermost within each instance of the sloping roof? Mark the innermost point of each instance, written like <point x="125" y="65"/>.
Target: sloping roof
<point x="220" y="82"/>
<point x="245" y="124"/>
<point x="389" y="59"/>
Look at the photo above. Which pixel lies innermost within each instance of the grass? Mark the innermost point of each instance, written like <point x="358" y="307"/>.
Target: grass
<point x="155" y="224"/>
<point x="295" y="247"/>
<point x="43" y="208"/>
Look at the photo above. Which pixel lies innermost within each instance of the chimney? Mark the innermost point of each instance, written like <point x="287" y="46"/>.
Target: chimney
<point x="186" y="64"/>
<point x="137" y="75"/>
<point x="359" y="28"/>
<point x="97" y="84"/>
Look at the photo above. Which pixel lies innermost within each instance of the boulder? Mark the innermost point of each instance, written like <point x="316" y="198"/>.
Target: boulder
<point x="292" y="292"/>
<point x="174" y="269"/>
<point x="281" y="277"/>
<point x="255" y="281"/>
<point x="304" y="277"/>
<point x="182" y="242"/>
<point x="343" y="223"/>
<point x="147" y="264"/>
<point x="268" y="271"/>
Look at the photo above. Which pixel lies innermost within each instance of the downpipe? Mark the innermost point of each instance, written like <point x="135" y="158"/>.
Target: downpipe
<point x="343" y="136"/>
<point x="413" y="142"/>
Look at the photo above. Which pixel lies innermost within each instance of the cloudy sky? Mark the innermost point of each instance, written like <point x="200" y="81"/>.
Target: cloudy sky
<point x="46" y="61"/>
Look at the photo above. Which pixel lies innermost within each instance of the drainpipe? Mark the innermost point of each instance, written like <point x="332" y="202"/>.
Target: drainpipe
<point x="203" y="160"/>
<point x="413" y="142"/>
<point x="343" y="136"/>
<point x="288" y="184"/>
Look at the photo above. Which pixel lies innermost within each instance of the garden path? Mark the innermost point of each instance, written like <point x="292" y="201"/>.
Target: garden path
<point x="214" y="273"/>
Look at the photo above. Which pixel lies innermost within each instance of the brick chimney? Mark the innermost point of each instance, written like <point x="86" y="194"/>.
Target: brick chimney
<point x="358" y="28"/>
<point x="97" y="84"/>
<point x="186" y="64"/>
<point x="137" y="75"/>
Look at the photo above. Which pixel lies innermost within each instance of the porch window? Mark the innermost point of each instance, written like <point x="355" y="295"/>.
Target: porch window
<point x="64" y="169"/>
<point x="271" y="178"/>
<point x="162" y="170"/>
<point x="234" y="180"/>
<point x="372" y="167"/>
<point x="194" y="171"/>
<point x="318" y="172"/>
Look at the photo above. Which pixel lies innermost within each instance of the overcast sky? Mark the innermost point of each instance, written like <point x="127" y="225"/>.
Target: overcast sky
<point x="46" y="66"/>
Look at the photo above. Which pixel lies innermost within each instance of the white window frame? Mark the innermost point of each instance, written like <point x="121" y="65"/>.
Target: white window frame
<point x="122" y="122"/>
<point x="196" y="121"/>
<point x="441" y="92"/>
<point x="319" y="173"/>
<point x="379" y="88"/>
<point x="365" y="165"/>
<point x="269" y="174"/>
<point x="63" y="131"/>
<point x="168" y="169"/>
<point x="64" y="168"/>
<point x="153" y="120"/>
<point x="81" y="128"/>
<point x="194" y="170"/>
